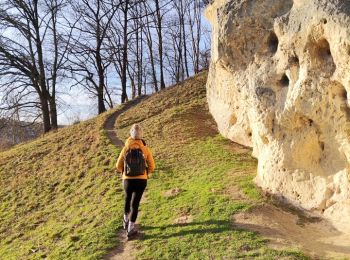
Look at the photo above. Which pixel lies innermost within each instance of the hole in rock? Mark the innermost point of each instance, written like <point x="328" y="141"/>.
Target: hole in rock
<point x="294" y="60"/>
<point x="233" y="120"/>
<point x="272" y="42"/>
<point x="311" y="122"/>
<point x="294" y="68"/>
<point x="284" y="81"/>
<point x="322" y="146"/>
<point x="323" y="57"/>
<point x="250" y="134"/>
<point x="338" y="91"/>
<point x="324" y="21"/>
<point x="343" y="94"/>
<point x="340" y="98"/>
<point x="264" y="139"/>
<point x="266" y="96"/>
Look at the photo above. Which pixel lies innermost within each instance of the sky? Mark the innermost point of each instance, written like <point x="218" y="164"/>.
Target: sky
<point x="77" y="105"/>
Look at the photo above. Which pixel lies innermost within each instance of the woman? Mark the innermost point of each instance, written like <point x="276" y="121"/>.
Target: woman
<point x="135" y="162"/>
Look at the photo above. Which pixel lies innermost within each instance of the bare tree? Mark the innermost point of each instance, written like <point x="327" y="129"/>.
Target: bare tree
<point x="90" y="57"/>
<point x="29" y="33"/>
<point x="124" y="61"/>
<point x="159" y="24"/>
<point x="149" y="41"/>
<point x="194" y="14"/>
<point x="127" y="38"/>
<point x="174" y="51"/>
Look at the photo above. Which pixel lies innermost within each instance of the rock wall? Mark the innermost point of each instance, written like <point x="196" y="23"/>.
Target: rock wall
<point x="278" y="81"/>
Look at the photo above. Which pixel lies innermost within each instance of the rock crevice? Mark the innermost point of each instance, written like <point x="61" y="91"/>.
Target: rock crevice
<point x="278" y="82"/>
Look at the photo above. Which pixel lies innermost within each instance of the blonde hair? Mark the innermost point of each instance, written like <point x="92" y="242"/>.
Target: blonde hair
<point x="136" y="131"/>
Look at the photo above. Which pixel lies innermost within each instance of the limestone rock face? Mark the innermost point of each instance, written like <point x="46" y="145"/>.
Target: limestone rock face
<point x="279" y="81"/>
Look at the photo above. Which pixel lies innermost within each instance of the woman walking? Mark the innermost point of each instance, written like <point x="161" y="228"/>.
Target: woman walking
<point x="135" y="162"/>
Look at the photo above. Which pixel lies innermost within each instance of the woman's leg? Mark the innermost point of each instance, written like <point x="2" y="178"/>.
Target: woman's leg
<point x="139" y="188"/>
<point x="128" y="195"/>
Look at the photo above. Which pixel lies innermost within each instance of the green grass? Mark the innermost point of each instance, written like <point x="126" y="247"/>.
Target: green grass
<point x="60" y="197"/>
<point x="248" y="188"/>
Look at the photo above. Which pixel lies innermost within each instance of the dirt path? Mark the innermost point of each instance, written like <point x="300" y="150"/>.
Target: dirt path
<point x="126" y="249"/>
<point x="285" y="228"/>
<point x="109" y="124"/>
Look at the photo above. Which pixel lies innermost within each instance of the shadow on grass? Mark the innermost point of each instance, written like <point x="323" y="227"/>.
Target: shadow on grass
<point x="183" y="229"/>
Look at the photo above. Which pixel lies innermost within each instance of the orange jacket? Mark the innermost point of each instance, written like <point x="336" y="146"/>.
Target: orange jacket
<point x="136" y="143"/>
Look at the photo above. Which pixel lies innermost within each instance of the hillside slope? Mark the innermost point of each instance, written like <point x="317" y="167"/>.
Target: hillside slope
<point x="60" y="197"/>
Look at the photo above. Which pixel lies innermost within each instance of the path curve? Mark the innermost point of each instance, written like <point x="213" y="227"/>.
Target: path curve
<point x="110" y="122"/>
<point x="125" y="250"/>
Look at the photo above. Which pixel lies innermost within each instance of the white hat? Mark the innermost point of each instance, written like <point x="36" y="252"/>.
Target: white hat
<point x="136" y="131"/>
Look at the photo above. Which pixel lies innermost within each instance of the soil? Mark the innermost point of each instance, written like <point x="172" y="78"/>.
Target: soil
<point x="127" y="247"/>
<point x="172" y="192"/>
<point x="285" y="228"/>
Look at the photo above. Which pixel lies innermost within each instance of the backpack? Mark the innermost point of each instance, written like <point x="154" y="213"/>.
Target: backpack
<point x="134" y="162"/>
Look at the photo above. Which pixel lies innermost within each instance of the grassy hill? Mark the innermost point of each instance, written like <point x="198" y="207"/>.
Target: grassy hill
<point x="60" y="197"/>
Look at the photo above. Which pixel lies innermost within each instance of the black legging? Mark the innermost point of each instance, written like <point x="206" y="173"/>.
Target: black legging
<point x="134" y="189"/>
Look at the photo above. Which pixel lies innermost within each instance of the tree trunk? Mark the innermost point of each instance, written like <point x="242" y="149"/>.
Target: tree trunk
<point x="160" y="45"/>
<point x="124" y="95"/>
<point x="53" y="113"/>
<point x="52" y="99"/>
<point x="148" y="35"/>
<point x="184" y="40"/>
<point x="45" y="95"/>
<point x="154" y="75"/>
<point x="100" y="96"/>
<point x="140" y="65"/>
<point x="138" y="54"/>
<point x="100" y="100"/>
<point x="45" y="113"/>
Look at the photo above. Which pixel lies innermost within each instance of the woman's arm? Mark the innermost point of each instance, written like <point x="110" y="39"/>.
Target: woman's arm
<point x="120" y="161"/>
<point x="150" y="161"/>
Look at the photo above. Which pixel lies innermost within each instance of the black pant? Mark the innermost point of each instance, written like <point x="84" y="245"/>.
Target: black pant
<point x="134" y="189"/>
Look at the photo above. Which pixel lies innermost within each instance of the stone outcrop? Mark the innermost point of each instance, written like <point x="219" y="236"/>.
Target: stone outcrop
<point x="279" y="81"/>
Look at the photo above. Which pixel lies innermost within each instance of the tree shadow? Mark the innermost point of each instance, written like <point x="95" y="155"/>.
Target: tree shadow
<point x="213" y="227"/>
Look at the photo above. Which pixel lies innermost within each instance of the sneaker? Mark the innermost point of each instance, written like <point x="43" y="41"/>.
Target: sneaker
<point x="125" y="224"/>
<point x="132" y="233"/>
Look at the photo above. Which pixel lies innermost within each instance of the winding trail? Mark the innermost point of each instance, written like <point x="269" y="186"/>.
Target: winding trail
<point x="110" y="122"/>
<point x="125" y="249"/>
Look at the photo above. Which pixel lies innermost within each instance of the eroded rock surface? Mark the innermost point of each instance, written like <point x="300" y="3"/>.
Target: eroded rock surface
<point x="279" y="81"/>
